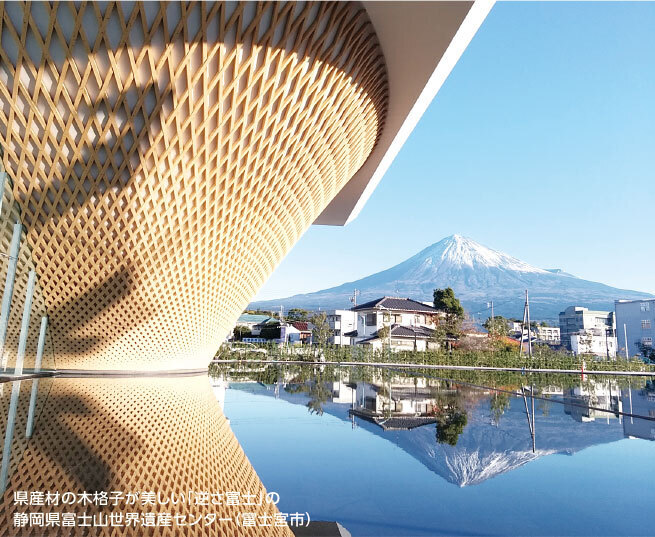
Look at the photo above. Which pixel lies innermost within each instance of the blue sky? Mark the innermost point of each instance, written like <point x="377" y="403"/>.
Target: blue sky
<point x="540" y="144"/>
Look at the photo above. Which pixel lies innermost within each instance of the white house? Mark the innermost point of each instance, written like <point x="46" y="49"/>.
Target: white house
<point x="412" y="323"/>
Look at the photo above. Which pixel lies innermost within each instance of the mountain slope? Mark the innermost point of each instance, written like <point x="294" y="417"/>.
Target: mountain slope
<point x="477" y="274"/>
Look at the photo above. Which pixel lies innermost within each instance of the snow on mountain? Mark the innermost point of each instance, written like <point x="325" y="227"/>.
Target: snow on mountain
<point x="477" y="274"/>
<point x="462" y="251"/>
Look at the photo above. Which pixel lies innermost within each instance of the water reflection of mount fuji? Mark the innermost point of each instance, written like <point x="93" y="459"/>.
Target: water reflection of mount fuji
<point x="487" y="448"/>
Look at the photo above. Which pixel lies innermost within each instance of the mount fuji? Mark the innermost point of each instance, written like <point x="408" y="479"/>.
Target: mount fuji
<point x="477" y="274"/>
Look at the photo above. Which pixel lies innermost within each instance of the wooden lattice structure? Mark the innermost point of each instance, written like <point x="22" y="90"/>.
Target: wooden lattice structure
<point x="166" y="156"/>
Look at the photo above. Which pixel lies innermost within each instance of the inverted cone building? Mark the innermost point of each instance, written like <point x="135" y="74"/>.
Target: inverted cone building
<point x="166" y="156"/>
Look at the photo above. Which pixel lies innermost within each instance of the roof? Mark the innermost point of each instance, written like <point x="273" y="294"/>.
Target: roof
<point x="253" y="318"/>
<point x="419" y="55"/>
<point x="396" y="304"/>
<point x="411" y="331"/>
<point x="394" y="422"/>
<point x="303" y="326"/>
<point x="399" y="331"/>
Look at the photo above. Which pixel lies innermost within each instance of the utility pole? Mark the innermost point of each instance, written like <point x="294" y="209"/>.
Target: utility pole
<point x="625" y="337"/>
<point x="353" y="298"/>
<point x="491" y="304"/>
<point x="526" y="320"/>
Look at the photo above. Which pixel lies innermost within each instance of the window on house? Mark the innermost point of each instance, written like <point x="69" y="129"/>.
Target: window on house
<point x="337" y="332"/>
<point x="645" y="324"/>
<point x="371" y="319"/>
<point x="645" y="306"/>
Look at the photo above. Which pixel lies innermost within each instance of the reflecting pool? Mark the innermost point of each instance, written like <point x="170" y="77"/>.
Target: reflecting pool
<point x="414" y="453"/>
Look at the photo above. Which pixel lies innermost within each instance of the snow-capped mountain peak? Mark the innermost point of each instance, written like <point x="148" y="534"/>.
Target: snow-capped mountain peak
<point x="459" y="251"/>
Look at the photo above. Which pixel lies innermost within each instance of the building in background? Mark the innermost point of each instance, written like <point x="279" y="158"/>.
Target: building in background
<point x="591" y="342"/>
<point x="342" y="324"/>
<point x="548" y="334"/>
<point x="636" y="320"/>
<point x="579" y="320"/>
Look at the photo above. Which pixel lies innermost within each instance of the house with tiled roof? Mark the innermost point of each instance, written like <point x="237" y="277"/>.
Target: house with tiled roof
<point x="412" y="323"/>
<point x="304" y="334"/>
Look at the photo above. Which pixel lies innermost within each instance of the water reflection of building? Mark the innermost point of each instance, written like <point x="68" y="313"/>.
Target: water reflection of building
<point x="640" y="402"/>
<point x="593" y="400"/>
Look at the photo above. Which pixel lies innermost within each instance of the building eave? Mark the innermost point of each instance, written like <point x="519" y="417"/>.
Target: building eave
<point x="422" y="42"/>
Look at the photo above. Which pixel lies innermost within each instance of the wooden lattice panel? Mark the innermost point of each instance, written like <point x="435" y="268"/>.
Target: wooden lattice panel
<point x="167" y="156"/>
<point x="166" y="436"/>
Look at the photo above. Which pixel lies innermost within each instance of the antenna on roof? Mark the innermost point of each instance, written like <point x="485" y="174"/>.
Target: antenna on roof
<point x="353" y="298"/>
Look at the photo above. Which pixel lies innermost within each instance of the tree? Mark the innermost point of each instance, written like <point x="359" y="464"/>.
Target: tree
<point x="647" y="352"/>
<point x="241" y="331"/>
<point x="450" y="426"/>
<point x="383" y="333"/>
<point x="496" y="327"/>
<point x="297" y="314"/>
<point x="446" y="301"/>
<point x="270" y="331"/>
<point x="321" y="332"/>
<point x="274" y="314"/>
<point x="499" y="404"/>
<point x="451" y="417"/>
<point x="450" y="326"/>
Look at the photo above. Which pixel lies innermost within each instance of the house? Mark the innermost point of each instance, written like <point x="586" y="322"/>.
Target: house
<point x="598" y="325"/>
<point x="302" y="332"/>
<point x="635" y="320"/>
<point x="342" y="323"/>
<point x="412" y="323"/>
<point x="395" y="406"/>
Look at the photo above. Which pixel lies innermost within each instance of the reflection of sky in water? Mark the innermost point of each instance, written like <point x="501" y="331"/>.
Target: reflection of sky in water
<point x="397" y="482"/>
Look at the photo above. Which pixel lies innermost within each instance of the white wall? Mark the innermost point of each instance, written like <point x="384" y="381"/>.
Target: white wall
<point x="592" y="344"/>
